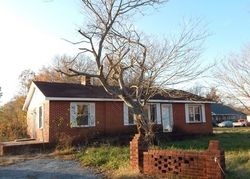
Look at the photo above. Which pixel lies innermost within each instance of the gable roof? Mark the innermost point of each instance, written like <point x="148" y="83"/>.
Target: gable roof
<point x="69" y="90"/>
<point x="79" y="92"/>
<point x="220" y="109"/>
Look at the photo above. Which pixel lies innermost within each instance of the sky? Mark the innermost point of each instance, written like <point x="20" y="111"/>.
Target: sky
<point x="32" y="31"/>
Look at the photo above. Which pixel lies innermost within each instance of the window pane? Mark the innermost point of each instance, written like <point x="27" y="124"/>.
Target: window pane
<point x="146" y="111"/>
<point x="197" y="117"/>
<point x="190" y="110"/>
<point x="197" y="109"/>
<point x="82" y="115"/>
<point x="191" y="117"/>
<point x="153" y="114"/>
<point x="130" y="116"/>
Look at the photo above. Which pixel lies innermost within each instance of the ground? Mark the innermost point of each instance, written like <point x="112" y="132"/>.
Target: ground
<point x="113" y="160"/>
<point x="43" y="167"/>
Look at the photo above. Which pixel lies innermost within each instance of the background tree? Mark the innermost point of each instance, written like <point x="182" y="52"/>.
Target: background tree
<point x="137" y="66"/>
<point x="233" y="76"/>
<point x="198" y="90"/>
<point x="13" y="120"/>
<point x="49" y="73"/>
<point x="213" y="95"/>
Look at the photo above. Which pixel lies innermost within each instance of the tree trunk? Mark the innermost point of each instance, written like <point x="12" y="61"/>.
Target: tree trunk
<point x="144" y="127"/>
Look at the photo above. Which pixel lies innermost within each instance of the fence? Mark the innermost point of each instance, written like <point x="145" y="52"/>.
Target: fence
<point x="178" y="163"/>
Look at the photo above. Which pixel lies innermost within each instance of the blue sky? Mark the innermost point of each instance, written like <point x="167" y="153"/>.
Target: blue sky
<point x="31" y="31"/>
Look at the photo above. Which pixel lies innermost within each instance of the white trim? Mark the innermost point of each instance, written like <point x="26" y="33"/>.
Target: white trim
<point x="158" y="113"/>
<point x="125" y="115"/>
<point x="91" y="114"/>
<point x="186" y="114"/>
<point x="203" y="114"/>
<point x="109" y="99"/>
<point x="169" y="127"/>
<point x="30" y="94"/>
<point x="213" y="114"/>
<point x="42" y="116"/>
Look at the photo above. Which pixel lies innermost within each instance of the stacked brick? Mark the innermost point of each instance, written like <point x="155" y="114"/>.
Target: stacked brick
<point x="208" y="164"/>
<point x="137" y="147"/>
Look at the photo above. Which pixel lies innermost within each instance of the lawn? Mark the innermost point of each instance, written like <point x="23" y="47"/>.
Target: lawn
<point x="235" y="142"/>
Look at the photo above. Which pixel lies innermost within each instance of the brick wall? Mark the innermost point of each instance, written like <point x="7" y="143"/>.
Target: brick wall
<point x="109" y="121"/>
<point x="178" y="163"/>
<point x="180" y="125"/>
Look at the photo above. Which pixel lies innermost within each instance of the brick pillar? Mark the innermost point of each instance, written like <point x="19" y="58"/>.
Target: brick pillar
<point x="215" y="161"/>
<point x="137" y="147"/>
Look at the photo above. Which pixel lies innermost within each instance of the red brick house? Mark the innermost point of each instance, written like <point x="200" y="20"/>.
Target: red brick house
<point x="81" y="111"/>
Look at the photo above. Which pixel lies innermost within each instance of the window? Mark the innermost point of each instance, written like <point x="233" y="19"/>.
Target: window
<point x="152" y="111"/>
<point x="195" y="113"/>
<point x="82" y="114"/>
<point x="130" y="117"/>
<point x="40" y="117"/>
<point x="82" y="118"/>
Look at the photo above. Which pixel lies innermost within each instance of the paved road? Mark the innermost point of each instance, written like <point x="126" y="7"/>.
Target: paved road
<point x="46" y="169"/>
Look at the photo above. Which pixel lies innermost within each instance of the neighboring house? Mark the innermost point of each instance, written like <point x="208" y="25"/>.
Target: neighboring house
<point x="222" y="112"/>
<point x="81" y="111"/>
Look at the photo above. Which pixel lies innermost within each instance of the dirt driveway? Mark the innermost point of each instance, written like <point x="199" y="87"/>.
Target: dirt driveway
<point x="46" y="168"/>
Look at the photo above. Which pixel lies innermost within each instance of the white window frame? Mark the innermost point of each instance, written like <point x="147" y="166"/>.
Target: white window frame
<point x="203" y="113"/>
<point x="73" y="114"/>
<point x="40" y="125"/>
<point x="126" y="114"/>
<point x="158" y="113"/>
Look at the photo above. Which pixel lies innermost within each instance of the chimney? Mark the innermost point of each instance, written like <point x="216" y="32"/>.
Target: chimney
<point x="86" y="80"/>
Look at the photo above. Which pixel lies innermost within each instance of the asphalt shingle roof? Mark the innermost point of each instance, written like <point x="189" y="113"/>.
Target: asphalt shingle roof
<point x="70" y="90"/>
<point x="218" y="108"/>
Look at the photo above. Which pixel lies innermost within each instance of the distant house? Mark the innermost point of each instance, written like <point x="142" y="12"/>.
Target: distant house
<point x="222" y="112"/>
<point x="81" y="111"/>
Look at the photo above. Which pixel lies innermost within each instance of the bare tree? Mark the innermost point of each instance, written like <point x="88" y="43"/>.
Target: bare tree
<point x="214" y="95"/>
<point x="131" y="66"/>
<point x="25" y="79"/>
<point x="233" y="75"/>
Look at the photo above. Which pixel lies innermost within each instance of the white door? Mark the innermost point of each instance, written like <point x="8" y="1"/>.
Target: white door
<point x="167" y="117"/>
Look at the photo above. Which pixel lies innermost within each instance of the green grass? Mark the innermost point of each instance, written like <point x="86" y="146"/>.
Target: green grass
<point x="105" y="157"/>
<point x="234" y="141"/>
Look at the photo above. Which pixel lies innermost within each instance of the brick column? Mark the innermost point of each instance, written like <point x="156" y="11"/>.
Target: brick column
<point x="137" y="147"/>
<point x="215" y="161"/>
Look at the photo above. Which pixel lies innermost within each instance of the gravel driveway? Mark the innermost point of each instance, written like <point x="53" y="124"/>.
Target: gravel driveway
<point x="46" y="169"/>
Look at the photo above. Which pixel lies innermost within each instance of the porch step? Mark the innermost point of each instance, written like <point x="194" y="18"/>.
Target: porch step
<point x="22" y="147"/>
<point x="24" y="139"/>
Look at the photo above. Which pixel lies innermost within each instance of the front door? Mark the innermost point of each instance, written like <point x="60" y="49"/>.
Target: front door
<point x="167" y="117"/>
